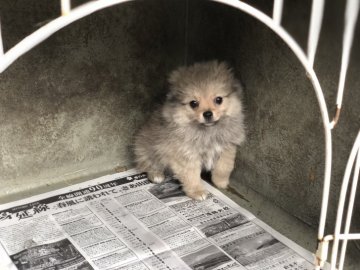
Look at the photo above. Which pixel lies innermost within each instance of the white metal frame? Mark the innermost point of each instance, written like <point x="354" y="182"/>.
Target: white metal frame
<point x="69" y="15"/>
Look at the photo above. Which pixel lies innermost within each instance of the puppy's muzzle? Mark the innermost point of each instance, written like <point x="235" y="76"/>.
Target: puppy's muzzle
<point x="208" y="115"/>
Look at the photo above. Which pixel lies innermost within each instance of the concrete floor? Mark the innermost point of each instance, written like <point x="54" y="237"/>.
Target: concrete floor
<point x="288" y="225"/>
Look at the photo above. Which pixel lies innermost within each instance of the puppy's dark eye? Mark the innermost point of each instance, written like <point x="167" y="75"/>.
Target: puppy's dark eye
<point x="218" y="100"/>
<point x="194" y="104"/>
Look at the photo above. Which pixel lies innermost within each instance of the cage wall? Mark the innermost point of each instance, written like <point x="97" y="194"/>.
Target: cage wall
<point x="70" y="107"/>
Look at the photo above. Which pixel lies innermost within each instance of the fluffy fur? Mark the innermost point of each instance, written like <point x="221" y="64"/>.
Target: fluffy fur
<point x="181" y="138"/>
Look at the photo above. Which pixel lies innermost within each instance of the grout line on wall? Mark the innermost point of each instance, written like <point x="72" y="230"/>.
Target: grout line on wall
<point x="186" y="32"/>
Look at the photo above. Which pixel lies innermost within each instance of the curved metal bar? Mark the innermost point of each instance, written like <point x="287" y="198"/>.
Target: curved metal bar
<point x="55" y="25"/>
<point x="319" y="94"/>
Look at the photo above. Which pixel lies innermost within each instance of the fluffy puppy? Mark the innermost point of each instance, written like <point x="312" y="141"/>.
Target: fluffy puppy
<point x="198" y="127"/>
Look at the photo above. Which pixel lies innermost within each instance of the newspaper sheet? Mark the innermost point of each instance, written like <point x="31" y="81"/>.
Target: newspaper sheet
<point x="123" y="221"/>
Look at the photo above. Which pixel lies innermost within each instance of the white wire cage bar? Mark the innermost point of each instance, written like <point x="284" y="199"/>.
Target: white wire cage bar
<point x="277" y="11"/>
<point x="2" y="60"/>
<point x="346" y="235"/>
<point x="350" y="212"/>
<point x="317" y="11"/>
<point x="65" y="7"/>
<point x="340" y="213"/>
<point x="351" y="15"/>
<point x="69" y="15"/>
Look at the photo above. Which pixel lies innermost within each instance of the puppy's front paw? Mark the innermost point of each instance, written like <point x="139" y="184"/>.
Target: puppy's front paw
<point x="156" y="177"/>
<point x="197" y="194"/>
<point x="221" y="183"/>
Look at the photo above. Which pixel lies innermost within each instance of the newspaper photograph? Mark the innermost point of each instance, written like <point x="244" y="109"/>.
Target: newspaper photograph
<point x="123" y="221"/>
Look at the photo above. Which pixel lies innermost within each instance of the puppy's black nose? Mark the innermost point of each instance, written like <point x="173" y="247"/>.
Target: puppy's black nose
<point x="207" y="115"/>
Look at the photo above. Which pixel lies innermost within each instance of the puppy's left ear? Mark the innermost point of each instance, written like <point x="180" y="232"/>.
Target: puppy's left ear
<point x="237" y="86"/>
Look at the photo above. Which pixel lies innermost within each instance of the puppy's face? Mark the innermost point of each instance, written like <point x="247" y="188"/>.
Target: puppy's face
<point x="203" y="94"/>
<point x="205" y="105"/>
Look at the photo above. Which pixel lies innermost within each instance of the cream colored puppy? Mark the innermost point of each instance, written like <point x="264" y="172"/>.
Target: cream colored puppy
<point x="198" y="127"/>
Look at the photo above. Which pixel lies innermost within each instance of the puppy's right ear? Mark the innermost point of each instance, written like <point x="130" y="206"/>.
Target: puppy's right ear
<point x="175" y="81"/>
<point x="170" y="97"/>
<point x="175" y="76"/>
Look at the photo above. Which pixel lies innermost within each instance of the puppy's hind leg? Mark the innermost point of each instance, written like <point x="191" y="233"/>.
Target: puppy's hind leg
<point x="189" y="176"/>
<point x="154" y="170"/>
<point x="223" y="167"/>
<point x="156" y="176"/>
